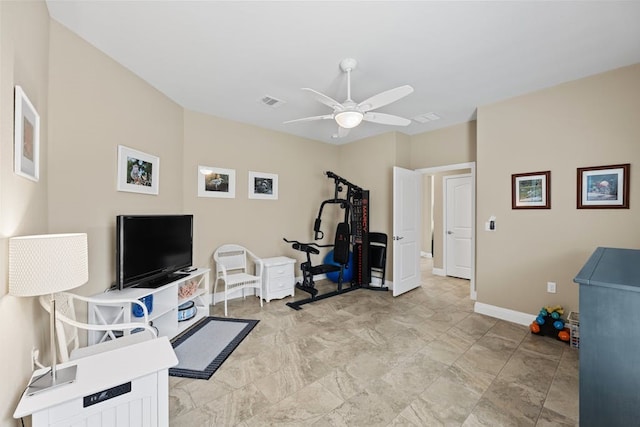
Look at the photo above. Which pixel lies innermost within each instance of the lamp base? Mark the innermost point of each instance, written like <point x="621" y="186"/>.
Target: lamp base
<point x="46" y="382"/>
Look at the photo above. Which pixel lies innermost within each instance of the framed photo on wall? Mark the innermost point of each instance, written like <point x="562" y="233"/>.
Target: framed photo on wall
<point x="604" y="187"/>
<point x="216" y="182"/>
<point x="138" y="172"/>
<point x="263" y="186"/>
<point x="531" y="190"/>
<point x="26" y="137"/>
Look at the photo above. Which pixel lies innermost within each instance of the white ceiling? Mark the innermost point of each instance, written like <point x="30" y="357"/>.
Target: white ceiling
<point x="222" y="57"/>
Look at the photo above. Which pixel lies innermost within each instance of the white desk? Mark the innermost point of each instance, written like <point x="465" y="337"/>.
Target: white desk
<point x="143" y="366"/>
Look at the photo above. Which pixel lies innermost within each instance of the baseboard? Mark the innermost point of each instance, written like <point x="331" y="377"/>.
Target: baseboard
<point x="219" y="296"/>
<point x="504" y="314"/>
<point x="438" y="272"/>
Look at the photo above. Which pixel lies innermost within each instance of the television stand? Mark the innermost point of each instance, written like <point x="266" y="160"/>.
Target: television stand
<point x="166" y="300"/>
<point x="154" y="284"/>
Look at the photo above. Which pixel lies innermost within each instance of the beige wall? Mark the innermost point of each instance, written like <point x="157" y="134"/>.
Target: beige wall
<point x="587" y="122"/>
<point x="257" y="224"/>
<point x="96" y="105"/>
<point x="443" y="147"/>
<point x="369" y="164"/>
<point x="447" y="146"/>
<point x="24" y="30"/>
<point x="427" y="215"/>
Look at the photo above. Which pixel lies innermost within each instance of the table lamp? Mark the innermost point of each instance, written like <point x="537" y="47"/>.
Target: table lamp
<point x="46" y="264"/>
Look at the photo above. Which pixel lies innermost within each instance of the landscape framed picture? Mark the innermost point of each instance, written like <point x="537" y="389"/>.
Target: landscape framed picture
<point x="263" y="186"/>
<point x="216" y="182"/>
<point x="604" y="187"/>
<point x="138" y="172"/>
<point x="531" y="190"/>
<point x="26" y="137"/>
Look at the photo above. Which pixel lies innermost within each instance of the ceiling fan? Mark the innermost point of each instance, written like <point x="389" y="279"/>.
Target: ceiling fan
<point x="350" y="114"/>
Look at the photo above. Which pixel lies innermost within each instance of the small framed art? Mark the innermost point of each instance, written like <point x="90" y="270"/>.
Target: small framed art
<point x="138" y="172"/>
<point x="263" y="186"/>
<point x="531" y="190"/>
<point x="604" y="187"/>
<point x="216" y="182"/>
<point x="26" y="137"/>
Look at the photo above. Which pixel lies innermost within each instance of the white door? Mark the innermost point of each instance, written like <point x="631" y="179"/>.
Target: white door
<point x="458" y="226"/>
<point x="407" y="206"/>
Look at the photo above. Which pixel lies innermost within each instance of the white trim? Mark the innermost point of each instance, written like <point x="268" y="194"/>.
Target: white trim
<point x="504" y="313"/>
<point x="424" y="254"/>
<point x="437" y="169"/>
<point x="438" y="272"/>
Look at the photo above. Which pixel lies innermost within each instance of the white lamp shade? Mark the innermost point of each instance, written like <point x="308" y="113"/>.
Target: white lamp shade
<point x="349" y="119"/>
<point x="48" y="263"/>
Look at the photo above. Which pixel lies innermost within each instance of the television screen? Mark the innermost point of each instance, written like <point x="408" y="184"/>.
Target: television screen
<point x="149" y="249"/>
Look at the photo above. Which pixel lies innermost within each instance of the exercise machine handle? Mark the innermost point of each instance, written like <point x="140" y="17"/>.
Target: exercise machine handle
<point x="319" y="234"/>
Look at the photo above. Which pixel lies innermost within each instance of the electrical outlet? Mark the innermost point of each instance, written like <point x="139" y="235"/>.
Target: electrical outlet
<point x="551" y="287"/>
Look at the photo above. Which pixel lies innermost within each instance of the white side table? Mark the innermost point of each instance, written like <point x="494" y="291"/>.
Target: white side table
<point x="278" y="279"/>
<point x="125" y="386"/>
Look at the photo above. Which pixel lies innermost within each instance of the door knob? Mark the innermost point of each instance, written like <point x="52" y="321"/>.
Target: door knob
<point x="449" y="232"/>
<point x="398" y="237"/>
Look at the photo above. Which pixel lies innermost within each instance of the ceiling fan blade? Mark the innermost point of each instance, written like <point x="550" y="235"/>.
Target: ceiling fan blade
<point x="326" y="100"/>
<point x="384" y="98"/>
<point x="386" y="119"/>
<point x="310" y="119"/>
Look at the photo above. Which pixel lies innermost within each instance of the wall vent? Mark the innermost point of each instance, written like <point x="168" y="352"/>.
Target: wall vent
<point x="426" y="117"/>
<point x="270" y="101"/>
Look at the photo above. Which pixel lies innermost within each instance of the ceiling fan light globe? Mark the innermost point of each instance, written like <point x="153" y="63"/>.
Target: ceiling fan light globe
<point x="349" y="119"/>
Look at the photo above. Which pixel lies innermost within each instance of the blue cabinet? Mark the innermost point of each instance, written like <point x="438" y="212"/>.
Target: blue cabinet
<point x="610" y="338"/>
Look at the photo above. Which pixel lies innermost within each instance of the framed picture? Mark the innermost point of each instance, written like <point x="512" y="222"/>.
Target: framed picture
<point x="263" y="186"/>
<point x="602" y="187"/>
<point x="138" y="172"/>
<point x="531" y="190"/>
<point x="216" y="182"/>
<point x="26" y="135"/>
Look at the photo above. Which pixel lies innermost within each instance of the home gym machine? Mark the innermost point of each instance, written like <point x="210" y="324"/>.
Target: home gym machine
<point x="352" y="234"/>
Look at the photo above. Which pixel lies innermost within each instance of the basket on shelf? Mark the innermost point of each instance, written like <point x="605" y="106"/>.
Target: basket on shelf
<point x="187" y="289"/>
<point x="574" y="328"/>
<point x="187" y="311"/>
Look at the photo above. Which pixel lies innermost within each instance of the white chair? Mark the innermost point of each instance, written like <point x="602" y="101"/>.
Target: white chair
<point x="233" y="268"/>
<point x="68" y="326"/>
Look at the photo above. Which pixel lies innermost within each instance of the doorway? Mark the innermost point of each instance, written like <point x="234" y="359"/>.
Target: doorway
<point x="438" y="251"/>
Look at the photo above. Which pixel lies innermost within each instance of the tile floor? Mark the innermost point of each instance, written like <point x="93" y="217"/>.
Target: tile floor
<point x="367" y="359"/>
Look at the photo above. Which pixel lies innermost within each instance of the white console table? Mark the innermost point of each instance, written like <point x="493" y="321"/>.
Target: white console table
<point x="278" y="279"/>
<point x="128" y="386"/>
<point x="166" y="300"/>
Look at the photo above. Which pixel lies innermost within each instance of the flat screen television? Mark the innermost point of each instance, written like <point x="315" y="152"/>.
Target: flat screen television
<point x="150" y="249"/>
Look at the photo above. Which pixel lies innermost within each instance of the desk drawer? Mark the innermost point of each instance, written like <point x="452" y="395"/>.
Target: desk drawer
<point x="277" y="272"/>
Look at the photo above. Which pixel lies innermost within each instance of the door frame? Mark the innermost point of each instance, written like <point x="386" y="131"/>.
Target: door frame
<point x="472" y="166"/>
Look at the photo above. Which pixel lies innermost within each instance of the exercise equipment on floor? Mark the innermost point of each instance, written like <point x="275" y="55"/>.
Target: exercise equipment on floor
<point x="550" y="323"/>
<point x="351" y="249"/>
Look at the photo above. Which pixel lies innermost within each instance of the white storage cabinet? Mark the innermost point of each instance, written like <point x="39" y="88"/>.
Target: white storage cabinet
<point x="164" y="313"/>
<point x="125" y="387"/>
<point x="278" y="279"/>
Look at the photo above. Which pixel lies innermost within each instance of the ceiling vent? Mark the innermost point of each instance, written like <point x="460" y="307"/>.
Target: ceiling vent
<point x="426" y="117"/>
<point x="270" y="101"/>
